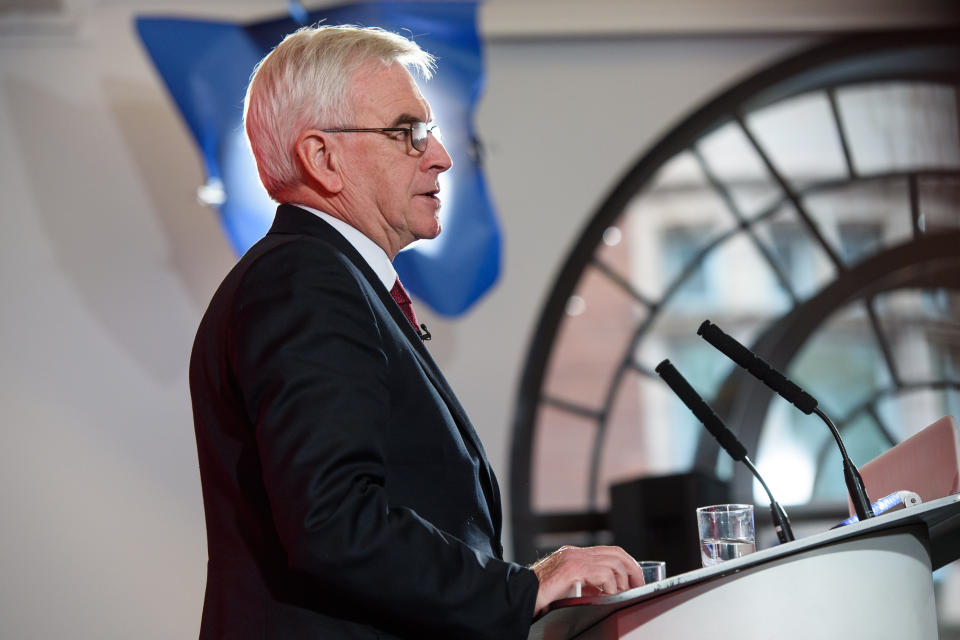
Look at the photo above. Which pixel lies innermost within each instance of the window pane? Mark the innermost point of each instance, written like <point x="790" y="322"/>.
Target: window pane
<point x="678" y="248"/>
<point x="841" y="365"/>
<point x="898" y="125"/>
<point x="680" y="202"/>
<point x="923" y="328"/>
<point x="864" y="441"/>
<point x="594" y="336"/>
<point x="939" y="203"/>
<point x="859" y="219"/>
<point x="798" y="254"/>
<point x="908" y="413"/>
<point x="800" y="136"/>
<point x="669" y="431"/>
<point x="829" y="485"/>
<point x="786" y="453"/>
<point x="639" y="440"/>
<point x="739" y="284"/>
<point x="562" y="445"/>
<point x="734" y="161"/>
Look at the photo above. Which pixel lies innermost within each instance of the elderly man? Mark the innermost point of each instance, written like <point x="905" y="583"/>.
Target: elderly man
<point x="346" y="492"/>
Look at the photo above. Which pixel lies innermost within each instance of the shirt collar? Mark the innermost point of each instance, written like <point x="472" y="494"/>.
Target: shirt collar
<point x="369" y="250"/>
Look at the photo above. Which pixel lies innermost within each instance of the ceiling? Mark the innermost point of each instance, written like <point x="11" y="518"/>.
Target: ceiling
<point x="523" y="19"/>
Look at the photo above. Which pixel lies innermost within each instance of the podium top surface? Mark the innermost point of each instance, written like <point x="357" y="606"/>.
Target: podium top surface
<point x="941" y="517"/>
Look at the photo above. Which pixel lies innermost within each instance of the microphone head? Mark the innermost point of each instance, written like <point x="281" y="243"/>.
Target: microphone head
<point x="754" y="364"/>
<point x="705" y="325"/>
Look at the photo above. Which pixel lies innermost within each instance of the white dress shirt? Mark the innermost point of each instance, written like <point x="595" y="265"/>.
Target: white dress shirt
<point x="369" y="250"/>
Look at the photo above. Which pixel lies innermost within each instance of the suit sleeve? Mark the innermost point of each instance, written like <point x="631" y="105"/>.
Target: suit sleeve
<point x="309" y="360"/>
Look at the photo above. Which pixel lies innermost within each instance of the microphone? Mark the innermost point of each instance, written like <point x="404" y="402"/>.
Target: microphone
<point x="729" y="442"/>
<point x="790" y="392"/>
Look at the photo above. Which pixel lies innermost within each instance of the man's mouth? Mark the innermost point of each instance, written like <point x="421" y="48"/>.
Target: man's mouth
<point x="432" y="194"/>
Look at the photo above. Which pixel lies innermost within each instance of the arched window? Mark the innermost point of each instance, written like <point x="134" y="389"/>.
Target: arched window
<point x="812" y="212"/>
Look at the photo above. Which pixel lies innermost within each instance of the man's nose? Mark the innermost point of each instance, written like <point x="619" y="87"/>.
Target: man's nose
<point x="436" y="155"/>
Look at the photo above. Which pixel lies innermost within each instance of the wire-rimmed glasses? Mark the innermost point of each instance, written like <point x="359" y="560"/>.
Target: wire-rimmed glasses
<point x="417" y="132"/>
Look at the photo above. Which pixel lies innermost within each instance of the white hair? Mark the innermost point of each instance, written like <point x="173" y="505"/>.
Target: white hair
<point x="303" y="83"/>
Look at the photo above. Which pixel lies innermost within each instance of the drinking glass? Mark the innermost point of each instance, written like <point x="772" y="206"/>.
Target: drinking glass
<point x="726" y="532"/>
<point x="653" y="570"/>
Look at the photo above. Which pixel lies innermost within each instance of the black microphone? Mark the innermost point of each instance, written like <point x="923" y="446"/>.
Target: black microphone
<point x="729" y="442"/>
<point x="792" y="393"/>
<point x="760" y="369"/>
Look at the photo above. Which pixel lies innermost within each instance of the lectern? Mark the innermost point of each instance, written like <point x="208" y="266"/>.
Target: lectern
<point x="871" y="579"/>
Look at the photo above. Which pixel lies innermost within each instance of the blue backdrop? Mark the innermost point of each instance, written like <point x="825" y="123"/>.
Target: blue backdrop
<point x="206" y="67"/>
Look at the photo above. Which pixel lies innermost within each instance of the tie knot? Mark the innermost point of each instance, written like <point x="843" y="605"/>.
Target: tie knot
<point x="399" y="294"/>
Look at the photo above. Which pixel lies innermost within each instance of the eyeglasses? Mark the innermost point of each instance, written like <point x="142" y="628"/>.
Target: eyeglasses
<point x="417" y="133"/>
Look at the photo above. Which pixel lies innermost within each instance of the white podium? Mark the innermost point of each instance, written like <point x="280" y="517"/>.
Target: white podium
<point x="867" y="580"/>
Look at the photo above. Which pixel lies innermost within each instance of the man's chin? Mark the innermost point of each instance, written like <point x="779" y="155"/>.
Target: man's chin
<point x="431" y="233"/>
<point x="430" y="229"/>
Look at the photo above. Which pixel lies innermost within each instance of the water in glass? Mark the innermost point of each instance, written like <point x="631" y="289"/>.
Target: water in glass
<point x="716" y="550"/>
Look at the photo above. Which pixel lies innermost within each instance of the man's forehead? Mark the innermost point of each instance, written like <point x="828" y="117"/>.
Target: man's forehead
<point x="387" y="91"/>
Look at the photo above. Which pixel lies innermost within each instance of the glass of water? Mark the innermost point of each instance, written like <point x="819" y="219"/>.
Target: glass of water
<point x="726" y="532"/>
<point x="653" y="570"/>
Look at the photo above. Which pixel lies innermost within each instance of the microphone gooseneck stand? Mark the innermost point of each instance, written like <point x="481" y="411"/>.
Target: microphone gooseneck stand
<point x="709" y="419"/>
<point x="793" y="394"/>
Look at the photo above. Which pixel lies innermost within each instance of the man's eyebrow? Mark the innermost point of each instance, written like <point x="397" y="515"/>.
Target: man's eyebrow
<point x="405" y="118"/>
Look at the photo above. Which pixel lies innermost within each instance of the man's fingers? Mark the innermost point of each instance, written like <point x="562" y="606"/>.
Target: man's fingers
<point x="628" y="572"/>
<point x="612" y="578"/>
<point x="608" y="569"/>
<point x="610" y="583"/>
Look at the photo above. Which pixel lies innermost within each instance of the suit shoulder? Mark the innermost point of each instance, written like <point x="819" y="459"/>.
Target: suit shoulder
<point x="282" y="253"/>
<point x="282" y="268"/>
<point x="289" y="262"/>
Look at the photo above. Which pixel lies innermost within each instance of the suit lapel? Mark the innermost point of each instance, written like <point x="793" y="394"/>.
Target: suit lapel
<point x="291" y="219"/>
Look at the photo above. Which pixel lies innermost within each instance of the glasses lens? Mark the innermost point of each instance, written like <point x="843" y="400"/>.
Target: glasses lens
<point x="419" y="136"/>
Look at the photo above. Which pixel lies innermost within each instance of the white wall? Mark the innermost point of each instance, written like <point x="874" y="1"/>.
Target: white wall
<point x="108" y="261"/>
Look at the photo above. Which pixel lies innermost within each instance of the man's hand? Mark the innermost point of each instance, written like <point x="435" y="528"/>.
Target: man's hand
<point x="607" y="569"/>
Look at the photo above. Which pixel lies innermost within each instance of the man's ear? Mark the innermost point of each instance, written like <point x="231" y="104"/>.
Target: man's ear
<point x="319" y="160"/>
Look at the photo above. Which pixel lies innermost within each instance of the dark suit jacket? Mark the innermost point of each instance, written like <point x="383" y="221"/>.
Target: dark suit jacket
<point x="346" y="492"/>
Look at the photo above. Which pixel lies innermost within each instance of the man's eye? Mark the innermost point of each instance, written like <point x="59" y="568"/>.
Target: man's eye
<point x="402" y="134"/>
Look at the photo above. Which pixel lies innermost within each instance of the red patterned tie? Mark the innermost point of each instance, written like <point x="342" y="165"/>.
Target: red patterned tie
<point x="406" y="305"/>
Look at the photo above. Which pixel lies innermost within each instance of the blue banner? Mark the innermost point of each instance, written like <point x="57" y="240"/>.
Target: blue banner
<point x="206" y="66"/>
